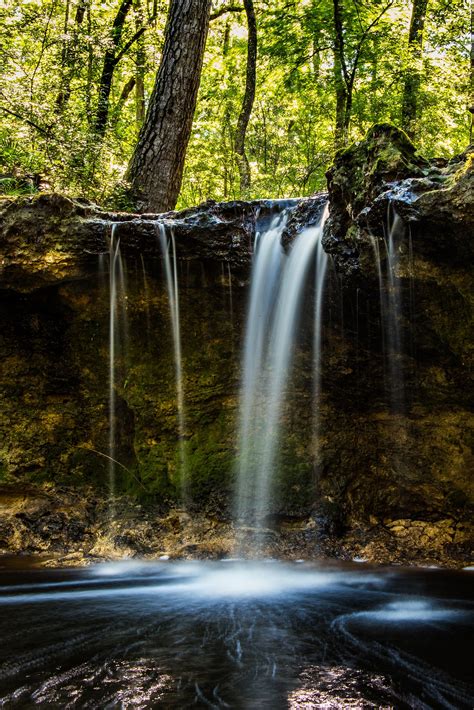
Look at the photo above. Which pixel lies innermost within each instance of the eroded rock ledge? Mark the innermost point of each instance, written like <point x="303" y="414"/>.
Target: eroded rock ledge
<point x="49" y="238"/>
<point x="384" y="175"/>
<point x="68" y="527"/>
<point x="385" y="484"/>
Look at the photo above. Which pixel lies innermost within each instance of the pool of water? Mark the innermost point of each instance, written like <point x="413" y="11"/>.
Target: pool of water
<point x="235" y="634"/>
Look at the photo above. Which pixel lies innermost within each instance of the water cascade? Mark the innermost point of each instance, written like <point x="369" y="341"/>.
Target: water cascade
<point x="391" y="308"/>
<point x="231" y="299"/>
<point x="171" y="275"/>
<point x="393" y="312"/>
<point x="117" y="298"/>
<point x="277" y="288"/>
<point x="319" y="288"/>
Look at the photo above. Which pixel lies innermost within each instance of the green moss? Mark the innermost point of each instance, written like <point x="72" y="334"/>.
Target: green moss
<point x="4" y="474"/>
<point x="385" y="154"/>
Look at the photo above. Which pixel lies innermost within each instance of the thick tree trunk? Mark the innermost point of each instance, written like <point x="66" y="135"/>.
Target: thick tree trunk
<point x="413" y="76"/>
<point x="156" y="168"/>
<point x="249" y="97"/>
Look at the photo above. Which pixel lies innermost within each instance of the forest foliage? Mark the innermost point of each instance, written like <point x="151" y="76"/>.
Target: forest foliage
<point x="59" y="58"/>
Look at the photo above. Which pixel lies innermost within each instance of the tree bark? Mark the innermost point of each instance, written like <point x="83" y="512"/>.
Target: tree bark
<point x="108" y="68"/>
<point x="471" y="77"/>
<point x="69" y="55"/>
<point x="140" y="57"/>
<point x="156" y="168"/>
<point x="340" y="79"/>
<point x="413" y="77"/>
<point x="249" y="97"/>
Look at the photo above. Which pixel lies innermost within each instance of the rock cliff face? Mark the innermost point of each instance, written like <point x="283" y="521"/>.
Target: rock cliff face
<point x="49" y="238"/>
<point x="391" y="475"/>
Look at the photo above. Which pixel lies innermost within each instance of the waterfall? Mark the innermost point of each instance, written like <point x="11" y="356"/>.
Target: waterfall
<point x="171" y="275"/>
<point x="278" y="284"/>
<point x="265" y="276"/>
<point x="117" y="297"/>
<point x="391" y="309"/>
<point x="319" y="288"/>
<point x="231" y="301"/>
<point x="394" y="313"/>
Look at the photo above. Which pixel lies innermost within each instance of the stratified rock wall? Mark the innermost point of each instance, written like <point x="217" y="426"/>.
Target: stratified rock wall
<point x="390" y="475"/>
<point x="49" y="238"/>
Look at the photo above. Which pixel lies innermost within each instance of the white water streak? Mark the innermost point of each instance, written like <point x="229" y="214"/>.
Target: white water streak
<point x="394" y="312"/>
<point x="319" y="289"/>
<point x="171" y="274"/>
<point x="115" y="259"/>
<point x="391" y="309"/>
<point x="265" y="277"/>
<point x="287" y="319"/>
<point x="277" y="289"/>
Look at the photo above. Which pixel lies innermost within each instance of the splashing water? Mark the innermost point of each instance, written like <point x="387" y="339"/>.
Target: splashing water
<point x="235" y="634"/>
<point x="171" y="274"/>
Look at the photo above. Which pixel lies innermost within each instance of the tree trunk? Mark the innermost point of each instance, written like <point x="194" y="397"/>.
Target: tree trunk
<point x="349" y="90"/>
<point x="413" y="76"/>
<point x="340" y="74"/>
<point x="317" y="53"/>
<point x="156" y="168"/>
<point x="90" y="68"/>
<point x="140" y="108"/>
<point x="126" y="91"/>
<point x="226" y="130"/>
<point x="471" y="77"/>
<point x="64" y="58"/>
<point x="69" y="56"/>
<point x="249" y="97"/>
<point x="108" y="68"/>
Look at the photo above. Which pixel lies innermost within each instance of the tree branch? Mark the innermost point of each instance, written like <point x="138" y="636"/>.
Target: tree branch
<point x="224" y="10"/>
<point x="362" y="40"/>
<point x="133" y="39"/>
<point x="40" y="129"/>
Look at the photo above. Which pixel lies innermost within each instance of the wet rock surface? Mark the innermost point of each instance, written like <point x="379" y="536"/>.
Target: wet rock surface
<point x="384" y="174"/>
<point x="64" y="527"/>
<point x="50" y="238"/>
<point x="390" y="477"/>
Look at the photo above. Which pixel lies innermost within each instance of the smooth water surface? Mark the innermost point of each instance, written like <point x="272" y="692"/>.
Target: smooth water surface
<point x="235" y="634"/>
